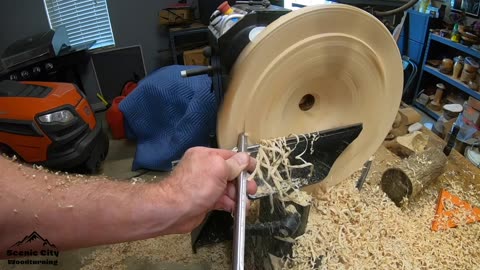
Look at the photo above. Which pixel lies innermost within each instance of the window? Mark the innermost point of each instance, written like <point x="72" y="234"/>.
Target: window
<point x="84" y="20"/>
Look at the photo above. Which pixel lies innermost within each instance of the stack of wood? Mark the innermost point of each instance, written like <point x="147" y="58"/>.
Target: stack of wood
<point x="406" y="117"/>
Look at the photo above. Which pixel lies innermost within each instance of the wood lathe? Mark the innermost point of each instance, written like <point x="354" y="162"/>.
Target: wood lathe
<point x="277" y="73"/>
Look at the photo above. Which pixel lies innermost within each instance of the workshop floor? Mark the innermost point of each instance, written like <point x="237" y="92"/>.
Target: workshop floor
<point x="116" y="166"/>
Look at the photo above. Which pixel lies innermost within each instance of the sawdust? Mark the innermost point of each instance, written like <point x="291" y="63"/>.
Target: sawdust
<point x="348" y="229"/>
<point x="172" y="248"/>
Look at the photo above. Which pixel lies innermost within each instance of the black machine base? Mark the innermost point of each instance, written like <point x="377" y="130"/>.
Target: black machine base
<point x="288" y="219"/>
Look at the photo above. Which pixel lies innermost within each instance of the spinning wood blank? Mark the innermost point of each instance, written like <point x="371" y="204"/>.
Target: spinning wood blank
<point x="313" y="69"/>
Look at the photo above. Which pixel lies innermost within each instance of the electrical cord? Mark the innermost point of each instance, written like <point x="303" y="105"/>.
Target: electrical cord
<point x="408" y="5"/>
<point x="412" y="76"/>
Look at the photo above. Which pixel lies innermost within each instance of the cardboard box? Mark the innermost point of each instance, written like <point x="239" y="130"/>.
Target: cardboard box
<point x="194" y="58"/>
<point x="176" y="16"/>
<point x="472" y="115"/>
<point x="472" y="102"/>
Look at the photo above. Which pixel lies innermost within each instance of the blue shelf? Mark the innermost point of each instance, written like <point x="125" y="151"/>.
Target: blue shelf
<point x="433" y="41"/>
<point x="455" y="45"/>
<point x="433" y="114"/>
<point x="448" y="79"/>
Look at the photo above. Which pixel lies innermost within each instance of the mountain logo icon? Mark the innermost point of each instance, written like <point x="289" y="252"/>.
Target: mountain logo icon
<point x="34" y="237"/>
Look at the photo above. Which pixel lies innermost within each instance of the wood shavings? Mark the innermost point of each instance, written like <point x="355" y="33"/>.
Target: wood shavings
<point x="172" y="249"/>
<point x="274" y="168"/>
<point x="136" y="180"/>
<point x="352" y="230"/>
<point x="375" y="233"/>
<point x="299" y="197"/>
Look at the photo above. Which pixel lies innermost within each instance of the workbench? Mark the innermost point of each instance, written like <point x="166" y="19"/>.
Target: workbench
<point x="174" y="251"/>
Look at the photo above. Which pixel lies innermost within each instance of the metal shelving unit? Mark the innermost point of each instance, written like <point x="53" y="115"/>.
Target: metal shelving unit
<point x="455" y="45"/>
<point x="449" y="79"/>
<point x="444" y="77"/>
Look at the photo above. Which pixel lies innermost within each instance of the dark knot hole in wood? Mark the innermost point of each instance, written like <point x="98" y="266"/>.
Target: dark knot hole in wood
<point x="307" y="102"/>
<point x="397" y="185"/>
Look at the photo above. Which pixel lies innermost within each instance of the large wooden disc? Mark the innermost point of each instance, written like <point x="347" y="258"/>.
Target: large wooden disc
<point x="338" y="57"/>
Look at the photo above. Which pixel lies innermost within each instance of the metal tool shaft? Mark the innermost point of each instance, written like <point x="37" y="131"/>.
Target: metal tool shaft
<point x="240" y="212"/>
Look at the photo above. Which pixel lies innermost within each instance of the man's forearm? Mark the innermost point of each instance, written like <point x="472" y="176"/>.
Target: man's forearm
<point x="74" y="212"/>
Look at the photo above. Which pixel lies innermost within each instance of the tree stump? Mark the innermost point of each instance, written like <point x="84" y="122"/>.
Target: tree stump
<point x="412" y="175"/>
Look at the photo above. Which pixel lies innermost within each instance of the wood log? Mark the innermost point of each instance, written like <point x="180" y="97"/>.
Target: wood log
<point x="408" y="179"/>
<point x="406" y="145"/>
<point x="398" y="121"/>
<point x="410" y="116"/>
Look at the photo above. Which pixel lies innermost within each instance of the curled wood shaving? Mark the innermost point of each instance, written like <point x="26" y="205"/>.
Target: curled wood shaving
<point x="352" y="230"/>
<point x="273" y="158"/>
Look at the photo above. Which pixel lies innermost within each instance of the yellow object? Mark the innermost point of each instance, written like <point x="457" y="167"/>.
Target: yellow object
<point x="455" y="37"/>
<point x="424" y="6"/>
<point x="102" y="99"/>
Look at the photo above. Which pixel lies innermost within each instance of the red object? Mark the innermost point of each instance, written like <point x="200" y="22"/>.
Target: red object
<point x="128" y="88"/>
<point x="224" y="7"/>
<point x="115" y="119"/>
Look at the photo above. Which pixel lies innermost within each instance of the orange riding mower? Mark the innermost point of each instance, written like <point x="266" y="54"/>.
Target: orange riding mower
<point x="50" y="124"/>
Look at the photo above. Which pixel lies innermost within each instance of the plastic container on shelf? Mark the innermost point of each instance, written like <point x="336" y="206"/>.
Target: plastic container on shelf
<point x="455" y="37"/>
<point x="457" y="67"/>
<point x="467" y="76"/>
<point x="472" y="153"/>
<point x="470" y="65"/>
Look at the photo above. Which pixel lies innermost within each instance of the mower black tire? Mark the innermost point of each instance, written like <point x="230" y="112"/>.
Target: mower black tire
<point x="93" y="164"/>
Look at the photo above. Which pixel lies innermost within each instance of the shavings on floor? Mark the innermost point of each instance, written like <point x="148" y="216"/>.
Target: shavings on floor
<point x="348" y="229"/>
<point x="161" y="250"/>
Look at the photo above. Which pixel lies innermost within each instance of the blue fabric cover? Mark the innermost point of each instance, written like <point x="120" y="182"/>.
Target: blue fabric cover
<point x="168" y="114"/>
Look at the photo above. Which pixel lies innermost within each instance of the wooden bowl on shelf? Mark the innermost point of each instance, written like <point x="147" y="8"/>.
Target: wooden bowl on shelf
<point x="469" y="39"/>
<point x="463" y="29"/>
<point x="434" y="63"/>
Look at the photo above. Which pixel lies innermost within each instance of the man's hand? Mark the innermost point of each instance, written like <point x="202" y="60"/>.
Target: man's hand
<point x="75" y="212"/>
<point x="204" y="181"/>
